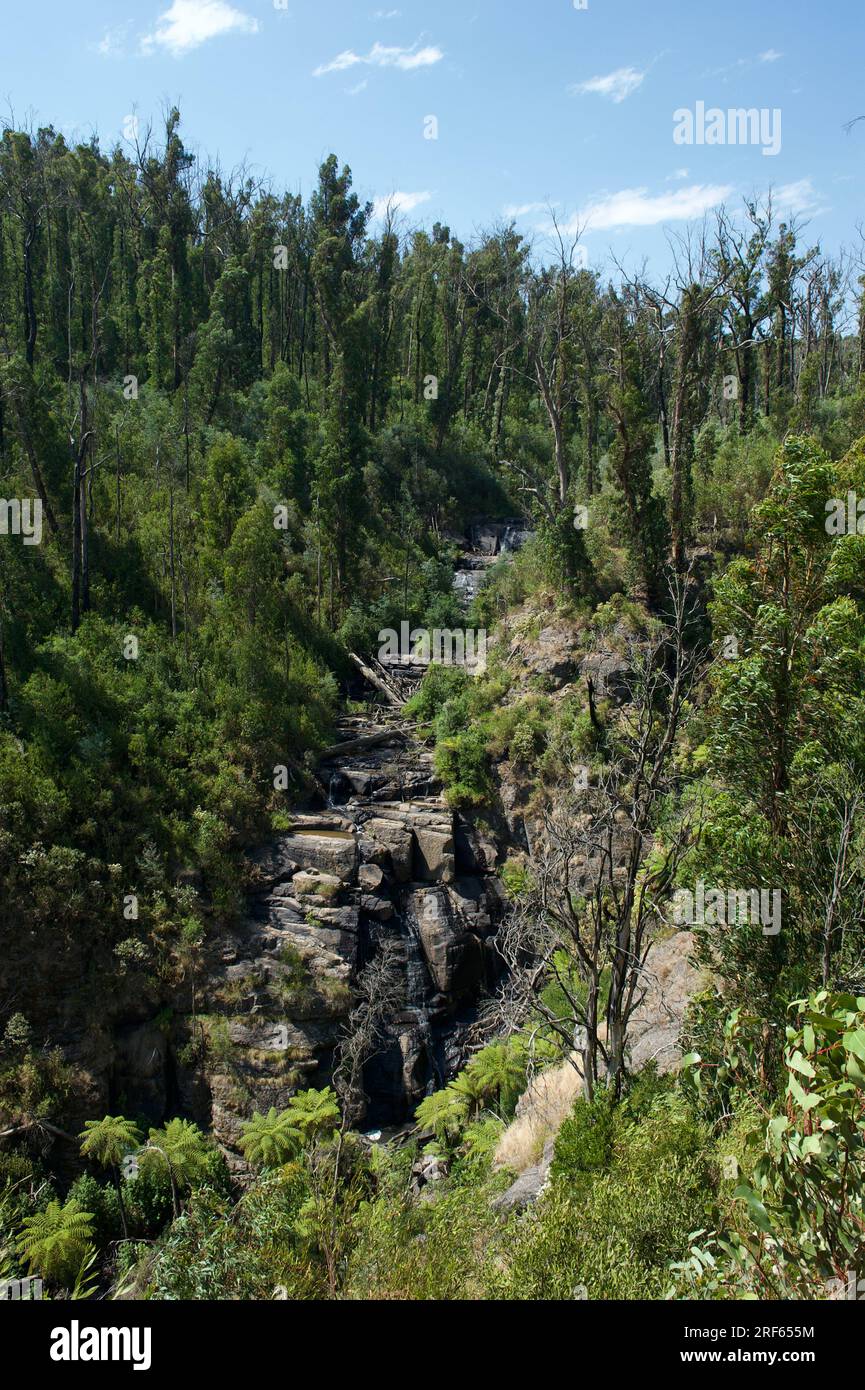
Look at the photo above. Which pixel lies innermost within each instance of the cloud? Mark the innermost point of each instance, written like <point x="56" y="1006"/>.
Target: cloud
<point x="677" y="174"/>
<point x="800" y="196"/>
<point x="187" y="24"/>
<point x="513" y="210"/>
<point x="387" y="14"/>
<point x="358" y="88"/>
<point x="616" y="85"/>
<point x="399" y="202"/>
<point x="770" y="56"/>
<point x="383" y="56"/>
<point x="113" y="41"/>
<point x="636" y="207"/>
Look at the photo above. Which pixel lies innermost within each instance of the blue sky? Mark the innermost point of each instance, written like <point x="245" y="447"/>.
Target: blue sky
<point x="537" y="103"/>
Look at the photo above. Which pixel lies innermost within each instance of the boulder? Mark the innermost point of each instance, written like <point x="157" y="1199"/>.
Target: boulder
<point x="332" y="851"/>
<point x="671" y="981"/>
<point x="370" y="877"/>
<point x="380" y="908"/>
<point x="454" y="957"/>
<point x="396" y="840"/>
<point x="311" y="884"/>
<point x="434" y="861"/>
<point x="529" y="1185"/>
<point x="611" y="675"/>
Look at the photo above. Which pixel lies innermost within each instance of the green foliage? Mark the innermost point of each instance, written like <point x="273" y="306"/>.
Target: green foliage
<point x="280" y="486"/>
<point x="108" y="1141"/>
<point x="269" y="1140"/>
<point x="56" y="1242"/>
<point x="584" y="1142"/>
<point x="625" y="1195"/>
<point x="798" y="1229"/>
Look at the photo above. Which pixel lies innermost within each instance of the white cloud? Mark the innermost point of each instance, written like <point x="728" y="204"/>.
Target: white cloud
<point x="187" y="24"/>
<point x="513" y="210"/>
<point x="677" y="174"/>
<point x="113" y="42"/>
<point x="615" y="85"/>
<point x="636" y="207"/>
<point x="770" y="56"/>
<point x="387" y="14"/>
<point x="800" y="196"/>
<point x="399" y="202"/>
<point x="383" y="56"/>
<point x="358" y="88"/>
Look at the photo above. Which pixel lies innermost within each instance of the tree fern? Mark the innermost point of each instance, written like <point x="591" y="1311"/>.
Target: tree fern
<point x="314" y="1112"/>
<point x="269" y="1140"/>
<point x="55" y="1242"/>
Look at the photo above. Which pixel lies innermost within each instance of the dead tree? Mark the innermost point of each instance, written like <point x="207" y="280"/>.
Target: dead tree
<point x="601" y="871"/>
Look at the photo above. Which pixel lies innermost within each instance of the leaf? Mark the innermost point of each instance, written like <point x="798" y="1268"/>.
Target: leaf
<point x="801" y="1064"/>
<point x="805" y="1102"/>
<point x="855" y="1070"/>
<point x="758" y="1212"/>
<point x="778" y="1125"/>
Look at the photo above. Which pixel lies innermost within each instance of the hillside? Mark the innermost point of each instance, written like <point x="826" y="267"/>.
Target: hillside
<point x="431" y="763"/>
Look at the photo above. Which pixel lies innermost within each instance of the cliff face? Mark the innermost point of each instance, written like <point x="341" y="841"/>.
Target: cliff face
<point x="376" y="864"/>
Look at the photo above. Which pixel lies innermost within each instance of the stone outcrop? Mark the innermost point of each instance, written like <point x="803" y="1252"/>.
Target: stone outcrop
<point x="380" y="860"/>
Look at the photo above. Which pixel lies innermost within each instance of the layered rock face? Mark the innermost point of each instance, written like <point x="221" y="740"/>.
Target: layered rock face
<point x="377" y="862"/>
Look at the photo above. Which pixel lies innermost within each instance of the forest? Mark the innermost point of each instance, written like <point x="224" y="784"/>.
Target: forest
<point x="245" y="435"/>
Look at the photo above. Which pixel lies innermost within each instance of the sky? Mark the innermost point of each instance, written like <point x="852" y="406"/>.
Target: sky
<point x="583" y="110"/>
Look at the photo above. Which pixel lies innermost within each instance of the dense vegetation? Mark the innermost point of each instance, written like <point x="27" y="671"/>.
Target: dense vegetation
<point x="255" y="426"/>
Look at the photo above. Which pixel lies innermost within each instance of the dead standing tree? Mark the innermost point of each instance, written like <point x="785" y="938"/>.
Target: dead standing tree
<point x="602" y="868"/>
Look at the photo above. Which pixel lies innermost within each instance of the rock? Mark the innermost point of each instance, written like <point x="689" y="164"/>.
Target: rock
<point x="529" y="1185"/>
<point x="428" y="1170"/>
<point x="333" y="852"/>
<point x="140" y="1069"/>
<point x="671" y="981"/>
<point x="485" y="539"/>
<point x="611" y="675"/>
<point x="527" y="1188"/>
<point x="380" y="908"/>
<point x="371" y="852"/>
<point x="360" y="783"/>
<point x="274" y="863"/>
<point x="309" y="883"/>
<point x="434" y="861"/>
<point x="370" y="877"/>
<point x="397" y="841"/>
<point x="454" y="956"/>
<point x="474" y="903"/>
<point x="473" y="853"/>
<point x="554" y="658"/>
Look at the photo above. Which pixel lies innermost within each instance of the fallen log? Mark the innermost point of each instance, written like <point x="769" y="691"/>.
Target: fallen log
<point x="357" y="745"/>
<point x="380" y="684"/>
